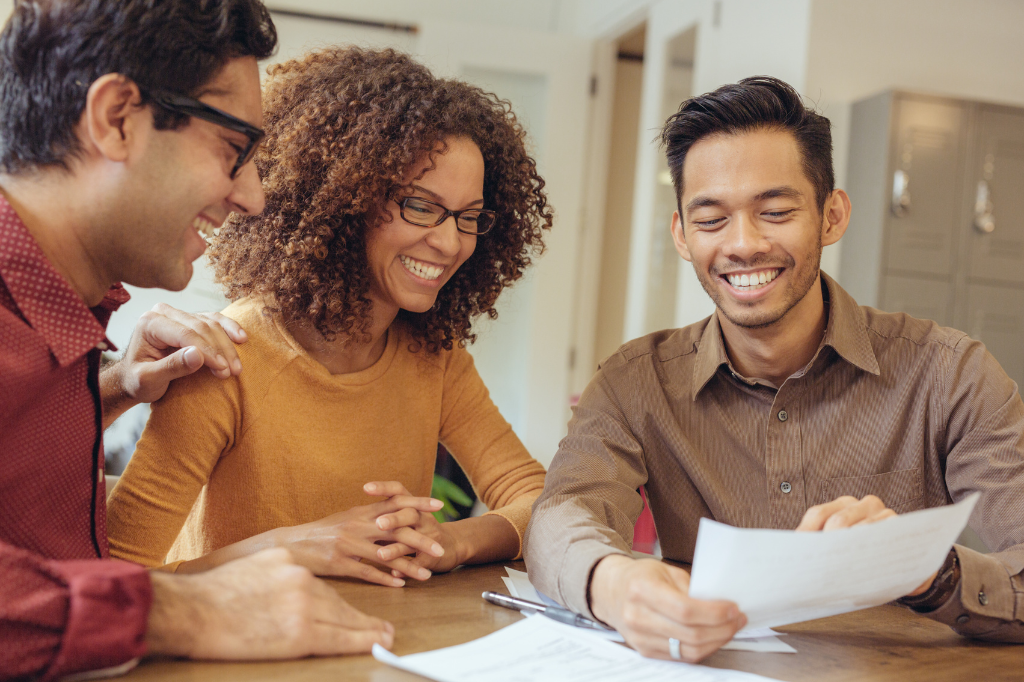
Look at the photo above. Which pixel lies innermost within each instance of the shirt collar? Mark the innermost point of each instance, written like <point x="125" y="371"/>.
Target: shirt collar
<point x="846" y="333"/>
<point x="44" y="297"/>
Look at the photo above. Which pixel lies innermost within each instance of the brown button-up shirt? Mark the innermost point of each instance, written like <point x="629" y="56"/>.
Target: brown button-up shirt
<point x="917" y="414"/>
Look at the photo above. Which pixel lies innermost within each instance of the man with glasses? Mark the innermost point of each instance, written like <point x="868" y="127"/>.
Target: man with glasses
<point x="126" y="133"/>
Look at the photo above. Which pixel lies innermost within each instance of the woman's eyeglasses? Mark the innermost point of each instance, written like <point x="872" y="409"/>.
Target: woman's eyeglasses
<point x="181" y="104"/>
<point x="429" y="214"/>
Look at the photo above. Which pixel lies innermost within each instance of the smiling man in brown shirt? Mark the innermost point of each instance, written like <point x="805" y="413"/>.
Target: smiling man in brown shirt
<point x="790" y="407"/>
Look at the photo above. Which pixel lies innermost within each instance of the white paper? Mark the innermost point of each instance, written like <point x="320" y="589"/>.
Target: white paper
<point x="782" y="576"/>
<point x="762" y="640"/>
<point x="540" y="650"/>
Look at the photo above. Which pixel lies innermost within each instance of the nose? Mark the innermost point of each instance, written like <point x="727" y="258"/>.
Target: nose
<point x="446" y="237"/>
<point x="744" y="239"/>
<point x="247" y="192"/>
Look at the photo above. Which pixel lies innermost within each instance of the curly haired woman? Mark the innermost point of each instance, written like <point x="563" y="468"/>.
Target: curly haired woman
<point x="399" y="205"/>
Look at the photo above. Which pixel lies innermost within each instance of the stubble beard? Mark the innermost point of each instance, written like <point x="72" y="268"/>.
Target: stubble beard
<point x="748" y="316"/>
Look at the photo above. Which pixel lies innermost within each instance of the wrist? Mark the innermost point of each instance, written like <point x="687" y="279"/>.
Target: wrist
<point x="175" y="619"/>
<point x="945" y="584"/>
<point x="604" y="579"/>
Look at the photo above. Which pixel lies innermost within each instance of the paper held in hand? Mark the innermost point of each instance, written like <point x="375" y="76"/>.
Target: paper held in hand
<point x="783" y="576"/>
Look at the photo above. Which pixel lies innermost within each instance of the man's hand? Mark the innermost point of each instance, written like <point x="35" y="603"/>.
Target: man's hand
<point x="847" y="511"/>
<point x="259" y="607"/>
<point x="648" y="602"/>
<point x="168" y="344"/>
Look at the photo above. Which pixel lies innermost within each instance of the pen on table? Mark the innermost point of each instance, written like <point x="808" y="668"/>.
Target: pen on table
<point x="553" y="612"/>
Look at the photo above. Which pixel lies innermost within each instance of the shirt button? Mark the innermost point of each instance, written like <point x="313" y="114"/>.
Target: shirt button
<point x="102" y="345"/>
<point x="783" y="416"/>
<point x="982" y="598"/>
<point x="785" y="487"/>
<point x="962" y="619"/>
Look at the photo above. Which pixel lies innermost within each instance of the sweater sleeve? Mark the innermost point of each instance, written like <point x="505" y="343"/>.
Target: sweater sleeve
<point x="63" y="617"/>
<point x="504" y="475"/>
<point x="188" y="430"/>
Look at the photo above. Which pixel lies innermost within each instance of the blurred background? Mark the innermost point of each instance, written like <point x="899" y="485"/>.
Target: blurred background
<point x="922" y="95"/>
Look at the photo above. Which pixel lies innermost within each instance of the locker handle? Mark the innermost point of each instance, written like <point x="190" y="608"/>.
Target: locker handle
<point x="984" y="220"/>
<point x="900" y="194"/>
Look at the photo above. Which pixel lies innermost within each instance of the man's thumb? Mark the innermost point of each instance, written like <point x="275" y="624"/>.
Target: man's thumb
<point x="180" y="364"/>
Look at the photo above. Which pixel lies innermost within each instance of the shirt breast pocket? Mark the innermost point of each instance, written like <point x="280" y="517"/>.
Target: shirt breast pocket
<point x="902" y="491"/>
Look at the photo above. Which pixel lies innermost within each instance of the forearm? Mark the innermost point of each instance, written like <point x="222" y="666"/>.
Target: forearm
<point x="247" y="547"/>
<point x="113" y="395"/>
<point x="483" y="539"/>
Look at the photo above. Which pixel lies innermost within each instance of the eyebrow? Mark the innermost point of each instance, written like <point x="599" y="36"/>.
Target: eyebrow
<point x="783" y="192"/>
<point x="438" y="197"/>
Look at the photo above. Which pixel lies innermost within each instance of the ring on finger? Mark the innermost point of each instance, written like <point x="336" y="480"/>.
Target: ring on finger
<point x="673" y="649"/>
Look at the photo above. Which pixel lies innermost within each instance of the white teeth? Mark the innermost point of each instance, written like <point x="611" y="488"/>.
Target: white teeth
<point x="205" y="227"/>
<point x="754" y="280"/>
<point x="421" y="269"/>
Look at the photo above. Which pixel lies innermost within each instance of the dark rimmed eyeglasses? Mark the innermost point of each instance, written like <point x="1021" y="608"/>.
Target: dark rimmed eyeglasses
<point x="182" y="104"/>
<point x="429" y="214"/>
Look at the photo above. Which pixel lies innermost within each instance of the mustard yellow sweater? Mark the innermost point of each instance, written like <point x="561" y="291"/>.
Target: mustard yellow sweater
<point x="287" y="443"/>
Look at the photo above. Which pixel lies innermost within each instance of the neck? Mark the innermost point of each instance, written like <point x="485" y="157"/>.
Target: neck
<point x="59" y="222"/>
<point x="777" y="351"/>
<point x="346" y="355"/>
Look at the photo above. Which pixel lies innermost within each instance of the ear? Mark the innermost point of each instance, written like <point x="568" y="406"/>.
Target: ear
<point x="835" y="218"/>
<point x="113" y="112"/>
<point x="679" y="237"/>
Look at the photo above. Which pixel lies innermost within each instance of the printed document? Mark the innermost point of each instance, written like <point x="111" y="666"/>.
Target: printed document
<point x="537" y="649"/>
<point x="783" y="576"/>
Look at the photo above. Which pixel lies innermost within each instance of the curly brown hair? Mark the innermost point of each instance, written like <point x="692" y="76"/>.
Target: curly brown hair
<point x="344" y="127"/>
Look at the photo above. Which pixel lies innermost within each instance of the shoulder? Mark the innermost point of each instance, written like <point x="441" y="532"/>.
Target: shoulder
<point x="659" y="347"/>
<point x="902" y="330"/>
<point x="266" y="346"/>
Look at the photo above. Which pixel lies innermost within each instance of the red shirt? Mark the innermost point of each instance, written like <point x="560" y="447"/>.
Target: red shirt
<point x="64" y="605"/>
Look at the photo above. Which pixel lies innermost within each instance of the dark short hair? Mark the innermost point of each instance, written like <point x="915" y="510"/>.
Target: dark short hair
<point x="52" y="50"/>
<point x="756" y="103"/>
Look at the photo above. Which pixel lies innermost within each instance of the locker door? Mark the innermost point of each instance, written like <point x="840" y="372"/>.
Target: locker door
<point x="996" y="178"/>
<point x="996" y="318"/>
<point x="926" y="162"/>
<point x="927" y="299"/>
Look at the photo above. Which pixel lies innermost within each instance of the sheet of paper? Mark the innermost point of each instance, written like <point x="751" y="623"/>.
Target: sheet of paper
<point x="762" y="640"/>
<point x="782" y="576"/>
<point x="540" y="650"/>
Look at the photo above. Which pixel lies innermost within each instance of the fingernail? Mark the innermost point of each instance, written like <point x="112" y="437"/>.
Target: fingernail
<point x="242" y="334"/>
<point x="370" y="487"/>
<point x="424" y="573"/>
<point x="192" y="357"/>
<point x="381" y="554"/>
<point x="388" y="627"/>
<point x="237" y="365"/>
<point x="382" y="524"/>
<point x="398" y="583"/>
<point x="436" y="504"/>
<point x="437" y="549"/>
<point x="221" y="361"/>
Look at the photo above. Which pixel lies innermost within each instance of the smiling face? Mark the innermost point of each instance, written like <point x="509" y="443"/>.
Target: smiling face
<point x="181" y="185"/>
<point x="750" y="225"/>
<point x="411" y="263"/>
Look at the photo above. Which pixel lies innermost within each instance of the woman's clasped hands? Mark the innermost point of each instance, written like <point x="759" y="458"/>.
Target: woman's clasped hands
<point x="358" y="542"/>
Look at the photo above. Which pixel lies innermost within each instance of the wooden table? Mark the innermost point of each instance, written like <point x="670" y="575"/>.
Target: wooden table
<point x="883" y="643"/>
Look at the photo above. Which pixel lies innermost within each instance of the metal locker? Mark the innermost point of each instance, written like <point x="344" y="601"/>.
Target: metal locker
<point x="995" y="195"/>
<point x="926" y="157"/>
<point x="996" y="318"/>
<point x="928" y="299"/>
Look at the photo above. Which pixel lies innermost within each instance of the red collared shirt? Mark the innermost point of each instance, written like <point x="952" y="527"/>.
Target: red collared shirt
<point x="64" y="606"/>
